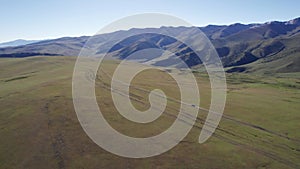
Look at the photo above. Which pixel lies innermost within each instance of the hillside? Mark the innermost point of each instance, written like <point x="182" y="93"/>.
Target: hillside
<point x="268" y="48"/>
<point x="39" y="127"/>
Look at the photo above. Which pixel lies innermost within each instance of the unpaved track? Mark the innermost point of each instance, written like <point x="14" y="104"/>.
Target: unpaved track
<point x="90" y="76"/>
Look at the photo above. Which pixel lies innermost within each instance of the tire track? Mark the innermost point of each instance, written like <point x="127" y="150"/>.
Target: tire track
<point x="220" y="137"/>
<point x="273" y="156"/>
<point x="207" y="110"/>
<point x="57" y="140"/>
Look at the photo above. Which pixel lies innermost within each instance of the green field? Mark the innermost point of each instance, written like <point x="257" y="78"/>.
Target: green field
<point x="39" y="127"/>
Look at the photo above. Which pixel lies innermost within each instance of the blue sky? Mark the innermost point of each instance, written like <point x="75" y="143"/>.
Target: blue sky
<point x="34" y="19"/>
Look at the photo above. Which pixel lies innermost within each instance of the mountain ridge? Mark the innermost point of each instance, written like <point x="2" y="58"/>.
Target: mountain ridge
<point x="17" y="42"/>
<point x="238" y="45"/>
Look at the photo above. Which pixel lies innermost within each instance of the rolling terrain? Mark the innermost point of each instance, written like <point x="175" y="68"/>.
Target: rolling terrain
<point x="39" y="127"/>
<point x="259" y="129"/>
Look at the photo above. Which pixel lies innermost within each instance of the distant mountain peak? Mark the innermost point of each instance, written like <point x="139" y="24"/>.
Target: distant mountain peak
<point x="17" y="42"/>
<point x="295" y="21"/>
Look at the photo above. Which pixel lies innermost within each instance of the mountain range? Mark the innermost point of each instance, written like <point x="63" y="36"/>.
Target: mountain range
<point x="17" y="42"/>
<point x="269" y="47"/>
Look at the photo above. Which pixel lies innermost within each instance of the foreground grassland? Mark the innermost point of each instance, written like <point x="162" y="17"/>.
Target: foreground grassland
<point x="39" y="128"/>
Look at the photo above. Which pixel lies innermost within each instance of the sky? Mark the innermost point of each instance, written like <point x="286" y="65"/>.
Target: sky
<point x="39" y="19"/>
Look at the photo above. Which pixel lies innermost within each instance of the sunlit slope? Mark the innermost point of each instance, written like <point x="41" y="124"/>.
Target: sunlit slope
<point x="39" y="127"/>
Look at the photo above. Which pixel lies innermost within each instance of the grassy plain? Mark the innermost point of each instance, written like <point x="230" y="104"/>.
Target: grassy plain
<point x="39" y="127"/>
